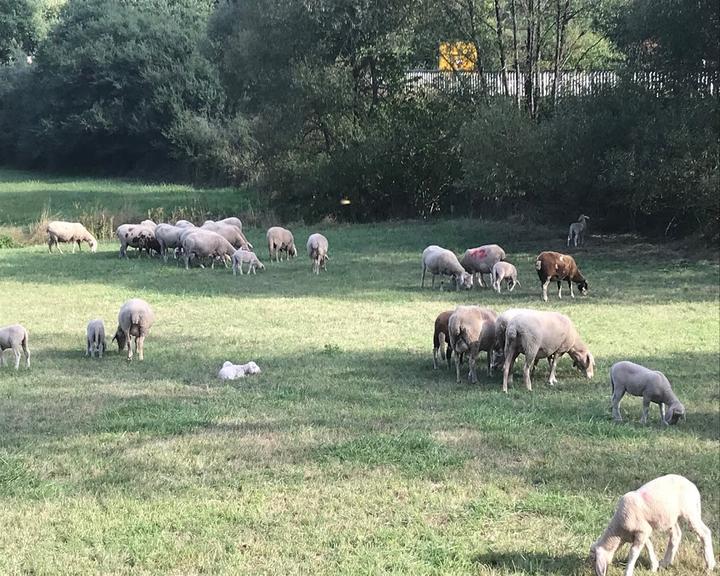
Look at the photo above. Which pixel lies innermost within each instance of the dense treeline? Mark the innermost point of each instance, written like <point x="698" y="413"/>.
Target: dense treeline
<point x="310" y="101"/>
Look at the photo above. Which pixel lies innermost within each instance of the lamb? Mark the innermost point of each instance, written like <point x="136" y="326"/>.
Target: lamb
<point x="576" y="235"/>
<point x="73" y="232"/>
<point x="556" y="266"/>
<point x="543" y="335"/>
<point x="204" y="243"/>
<point x="471" y="330"/>
<point x="241" y="257"/>
<point x="652" y="385"/>
<point x="14" y="337"/>
<point x="280" y="240"/>
<point x="95" y="338"/>
<point x="504" y="271"/>
<point x="134" y="320"/>
<point x="440" y="338"/>
<point x="441" y="261"/>
<point x="317" y="248"/>
<point x="657" y="505"/>
<point x="480" y="260"/>
<point x="230" y="232"/>
<point x="168" y="236"/>
<point x="230" y="371"/>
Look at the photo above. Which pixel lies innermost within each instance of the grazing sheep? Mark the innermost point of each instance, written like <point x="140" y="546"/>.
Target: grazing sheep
<point x="280" y="240"/>
<point x="134" y="320"/>
<point x="95" y="338"/>
<point x="441" y="261"/>
<point x="168" y="236"/>
<point x="138" y="236"/>
<point x="576" y="235"/>
<point x="245" y="256"/>
<point x="148" y="224"/>
<point x="498" y="356"/>
<point x="440" y="338"/>
<point x="317" y="248"/>
<point x="206" y="244"/>
<point x="480" y="261"/>
<point x="652" y="385"/>
<point x="471" y="330"/>
<point x="543" y="335"/>
<point x="230" y="232"/>
<point x="657" y="505"/>
<point x="232" y="221"/>
<point x="73" y="232"/>
<point x="14" y="337"/>
<point x="184" y="224"/>
<point x="230" y="371"/>
<point x="504" y="271"/>
<point x="556" y="266"/>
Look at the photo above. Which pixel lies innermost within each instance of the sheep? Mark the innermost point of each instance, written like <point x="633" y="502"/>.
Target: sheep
<point x="134" y="320"/>
<point x="149" y="224"/>
<point x="184" y="224"/>
<point x="280" y="240"/>
<point x="317" y="248"/>
<point x="14" y="337"/>
<point x="230" y="232"/>
<point x="652" y="385"/>
<point x="230" y="371"/>
<point x="504" y="271"/>
<point x="441" y="338"/>
<point x="205" y="243"/>
<point x="656" y="505"/>
<point x="471" y="330"/>
<point x="576" y="234"/>
<point x="95" y="338"/>
<point x="231" y="221"/>
<point x="168" y="236"/>
<point x="480" y="261"/>
<point x="140" y="236"/>
<point x="498" y="356"/>
<point x="553" y="265"/>
<point x="441" y="261"/>
<point x="73" y="232"/>
<point x="242" y="256"/>
<point x="543" y="335"/>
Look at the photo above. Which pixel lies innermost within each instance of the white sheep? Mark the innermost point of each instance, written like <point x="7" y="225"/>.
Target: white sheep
<point x="134" y="320"/>
<point x="543" y="335"/>
<point x="317" y="248"/>
<point x="230" y="371"/>
<point x="230" y="232"/>
<point x="95" y="338"/>
<point x="480" y="261"/>
<point x="184" y="224"/>
<point x="280" y="240"/>
<point x="73" y="232"/>
<point x="14" y="337"/>
<point x="652" y="385"/>
<point x="443" y="262"/>
<point x="471" y="330"/>
<point x="576" y="234"/>
<point x="241" y="257"/>
<point x="168" y="236"/>
<point x="504" y="271"/>
<point x="233" y="221"/>
<point x="200" y="243"/>
<point x="657" y="505"/>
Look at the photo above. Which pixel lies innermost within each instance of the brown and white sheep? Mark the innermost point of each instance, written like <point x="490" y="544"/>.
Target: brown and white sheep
<point x="560" y="267"/>
<point x="441" y="340"/>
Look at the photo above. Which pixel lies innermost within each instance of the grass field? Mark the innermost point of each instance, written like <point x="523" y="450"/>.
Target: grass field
<point x="348" y="454"/>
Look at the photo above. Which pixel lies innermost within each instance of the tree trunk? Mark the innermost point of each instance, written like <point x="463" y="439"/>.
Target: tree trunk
<point x="501" y="48"/>
<point x="561" y="21"/>
<point x="529" y="60"/>
<point x="516" y="56"/>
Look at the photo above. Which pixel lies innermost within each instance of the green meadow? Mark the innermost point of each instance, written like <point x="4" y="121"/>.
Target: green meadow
<point x="348" y="454"/>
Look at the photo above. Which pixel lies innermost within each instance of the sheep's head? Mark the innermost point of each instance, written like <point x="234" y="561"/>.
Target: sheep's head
<point x="293" y="251"/>
<point x="583" y="287"/>
<point x="674" y="413"/>
<point x="121" y="339"/>
<point x="498" y="358"/>
<point x="583" y="360"/>
<point x="464" y="280"/>
<point x="600" y="558"/>
<point x="93" y="244"/>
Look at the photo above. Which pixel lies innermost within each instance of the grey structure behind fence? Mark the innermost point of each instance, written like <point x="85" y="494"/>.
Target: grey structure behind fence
<point x="570" y="83"/>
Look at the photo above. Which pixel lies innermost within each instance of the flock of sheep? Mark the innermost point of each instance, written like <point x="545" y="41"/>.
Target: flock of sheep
<point x="463" y="332"/>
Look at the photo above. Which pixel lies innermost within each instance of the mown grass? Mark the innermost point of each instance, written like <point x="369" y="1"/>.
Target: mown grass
<point x="348" y="454"/>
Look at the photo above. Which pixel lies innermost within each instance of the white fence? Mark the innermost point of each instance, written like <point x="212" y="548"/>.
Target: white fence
<point x="570" y="83"/>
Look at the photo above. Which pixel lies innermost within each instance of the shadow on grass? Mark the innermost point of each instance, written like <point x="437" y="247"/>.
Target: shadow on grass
<point x="534" y="563"/>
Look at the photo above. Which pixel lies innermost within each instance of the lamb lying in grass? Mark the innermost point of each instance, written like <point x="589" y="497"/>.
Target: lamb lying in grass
<point x="230" y="371"/>
<point x="657" y="505"/>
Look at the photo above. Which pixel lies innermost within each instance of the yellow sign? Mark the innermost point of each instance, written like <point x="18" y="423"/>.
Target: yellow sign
<point x="457" y="56"/>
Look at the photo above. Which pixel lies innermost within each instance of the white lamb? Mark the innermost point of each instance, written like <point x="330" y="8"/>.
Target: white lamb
<point x="241" y="257"/>
<point x="230" y="371"/>
<point x="504" y="271"/>
<point x="96" y="338"/>
<point x="657" y="505"/>
<point x="14" y="337"/>
<point x="576" y="234"/>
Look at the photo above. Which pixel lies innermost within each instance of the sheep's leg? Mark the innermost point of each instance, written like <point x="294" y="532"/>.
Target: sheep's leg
<point x="672" y="546"/>
<point x="489" y="363"/>
<point x="472" y="374"/>
<point x="616" y="397"/>
<point x="432" y="286"/>
<point x="553" y="364"/>
<point x="16" y="352"/>
<point x="57" y="245"/>
<point x="88" y="352"/>
<point x="646" y="410"/>
<point x="529" y="359"/>
<point x="2" y="360"/>
<point x="422" y="278"/>
<point x="510" y="356"/>
<point x="544" y="289"/>
<point x="703" y="532"/>
<point x="79" y="246"/>
<point x="435" y="353"/>
<point x="572" y="294"/>
<point x="448" y="355"/>
<point x="654" y="564"/>
<point x="559" y="283"/>
<point x="129" y="348"/>
<point x="140" y="346"/>
<point x="635" y="550"/>
<point x="457" y="367"/>
<point x="662" y="413"/>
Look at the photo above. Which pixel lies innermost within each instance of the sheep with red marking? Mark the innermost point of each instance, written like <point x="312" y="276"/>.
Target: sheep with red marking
<point x="481" y="260"/>
<point x="559" y="267"/>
